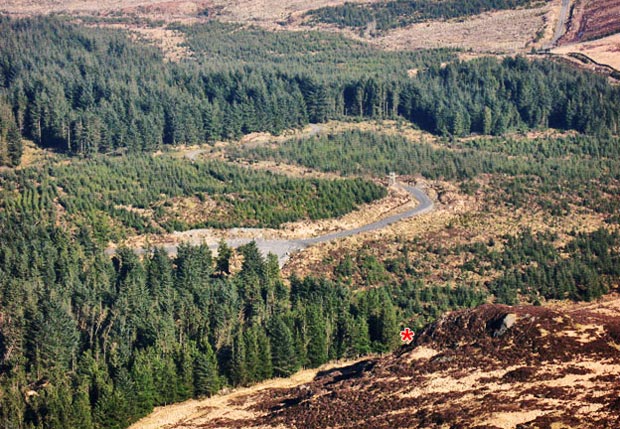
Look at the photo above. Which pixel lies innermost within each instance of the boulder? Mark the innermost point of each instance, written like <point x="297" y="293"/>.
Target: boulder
<point x="507" y="322"/>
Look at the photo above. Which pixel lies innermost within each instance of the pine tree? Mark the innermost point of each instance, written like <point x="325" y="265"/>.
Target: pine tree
<point x="265" y="367"/>
<point x="185" y="372"/>
<point x="360" y="338"/>
<point x="238" y="364"/>
<point x="224" y="253"/>
<point x="252" y="362"/>
<point x="207" y="380"/>
<point x="53" y="337"/>
<point x="317" y="337"/>
<point x="15" y="147"/>
<point x="282" y="349"/>
<point x="142" y="376"/>
<point x="81" y="415"/>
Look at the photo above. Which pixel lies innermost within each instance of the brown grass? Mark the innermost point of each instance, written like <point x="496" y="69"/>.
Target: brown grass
<point x="457" y="220"/>
<point x="542" y="372"/>
<point x="604" y="51"/>
<point x="191" y="209"/>
<point x="501" y="31"/>
<point x="155" y="9"/>
<point x="231" y="405"/>
<point x="34" y="155"/>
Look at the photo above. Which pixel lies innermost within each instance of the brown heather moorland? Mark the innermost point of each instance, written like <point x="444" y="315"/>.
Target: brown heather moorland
<point x="491" y="367"/>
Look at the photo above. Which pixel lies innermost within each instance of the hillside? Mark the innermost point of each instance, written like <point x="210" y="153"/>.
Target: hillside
<point x="152" y="152"/>
<point x="592" y="19"/>
<point x="481" y="26"/>
<point x="592" y="34"/>
<point x="491" y="367"/>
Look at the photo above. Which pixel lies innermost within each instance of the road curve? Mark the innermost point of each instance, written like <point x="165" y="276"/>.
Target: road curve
<point x="425" y="205"/>
<point x="284" y="248"/>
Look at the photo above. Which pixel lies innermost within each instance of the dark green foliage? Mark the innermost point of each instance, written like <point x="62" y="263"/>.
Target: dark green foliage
<point x="399" y="13"/>
<point x="102" y="341"/>
<point x="123" y="335"/>
<point x="96" y="342"/>
<point x="317" y="337"/>
<point x="527" y="171"/>
<point x="206" y="375"/>
<point x="224" y="252"/>
<point x="312" y="56"/>
<point x="356" y="152"/>
<point x="485" y="94"/>
<point x="283" y="358"/>
<point x="382" y="319"/>
<point x="535" y="269"/>
<point x="244" y="197"/>
<point x="85" y="91"/>
<point x="239" y="371"/>
<point x="264" y="369"/>
<point x="88" y="91"/>
<point x="11" y="147"/>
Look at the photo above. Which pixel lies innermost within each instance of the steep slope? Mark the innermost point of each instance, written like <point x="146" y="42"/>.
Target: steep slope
<point x="592" y="36"/>
<point x="592" y="19"/>
<point x="491" y="367"/>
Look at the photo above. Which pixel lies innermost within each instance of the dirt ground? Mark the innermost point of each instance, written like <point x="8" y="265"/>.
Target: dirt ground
<point x="226" y="405"/>
<point x="604" y="51"/>
<point x="490" y="367"/>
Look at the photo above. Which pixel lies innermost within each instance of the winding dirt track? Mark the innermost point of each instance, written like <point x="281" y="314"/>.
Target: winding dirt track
<point x="284" y="248"/>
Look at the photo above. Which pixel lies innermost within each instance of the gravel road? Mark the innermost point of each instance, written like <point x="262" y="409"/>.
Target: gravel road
<point x="560" y="28"/>
<point x="283" y="249"/>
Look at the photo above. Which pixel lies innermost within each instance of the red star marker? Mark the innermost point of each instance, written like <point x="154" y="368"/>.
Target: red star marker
<point x="406" y="336"/>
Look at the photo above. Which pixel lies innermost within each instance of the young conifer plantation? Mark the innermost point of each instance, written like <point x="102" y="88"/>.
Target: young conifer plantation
<point x="93" y="341"/>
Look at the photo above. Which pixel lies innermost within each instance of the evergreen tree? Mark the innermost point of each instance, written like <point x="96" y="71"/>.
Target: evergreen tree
<point x="265" y="366"/>
<point x="239" y="375"/>
<point x="206" y="375"/>
<point x="224" y="253"/>
<point x="283" y="357"/>
<point x="360" y="338"/>
<point x="252" y="354"/>
<point x="317" y="337"/>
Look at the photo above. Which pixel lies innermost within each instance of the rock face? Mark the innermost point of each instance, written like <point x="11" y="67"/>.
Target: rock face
<point x="490" y="367"/>
<point x="506" y="323"/>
